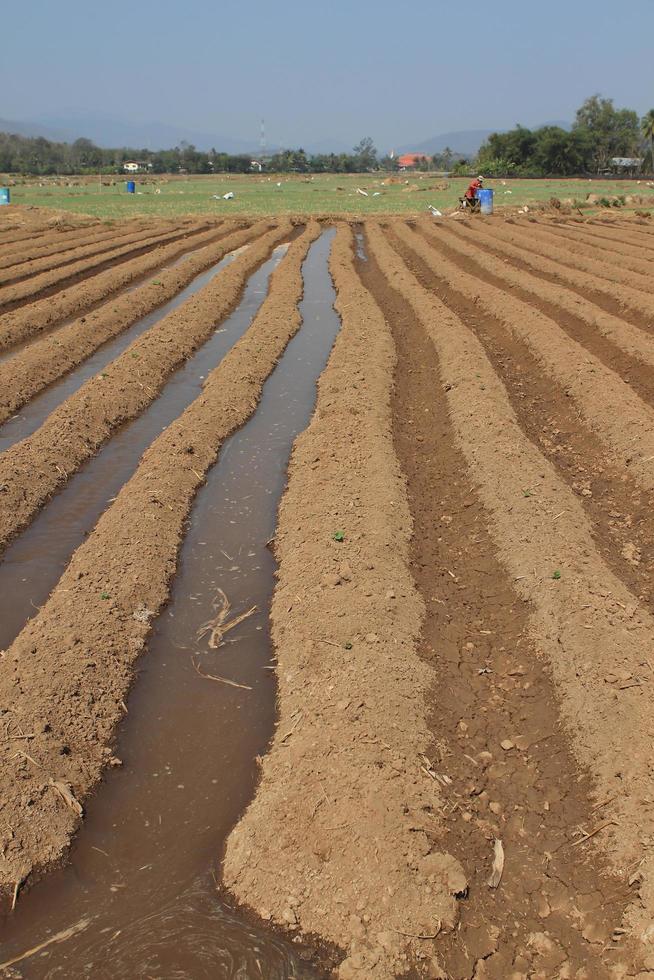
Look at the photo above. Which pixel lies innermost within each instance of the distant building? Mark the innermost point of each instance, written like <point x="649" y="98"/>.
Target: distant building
<point x="409" y="160"/>
<point x="626" y="164"/>
<point x="135" y="166"/>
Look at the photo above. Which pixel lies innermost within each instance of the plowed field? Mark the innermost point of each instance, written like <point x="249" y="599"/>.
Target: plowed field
<point x="458" y="781"/>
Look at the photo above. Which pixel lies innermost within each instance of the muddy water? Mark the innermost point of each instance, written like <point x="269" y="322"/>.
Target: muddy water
<point x="37" y="558"/>
<point x="140" y="883"/>
<point x="32" y="415"/>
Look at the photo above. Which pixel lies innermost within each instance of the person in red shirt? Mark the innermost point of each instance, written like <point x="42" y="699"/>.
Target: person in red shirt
<point x="471" y="194"/>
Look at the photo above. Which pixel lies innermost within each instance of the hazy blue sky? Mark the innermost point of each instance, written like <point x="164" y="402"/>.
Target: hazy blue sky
<point x="335" y="69"/>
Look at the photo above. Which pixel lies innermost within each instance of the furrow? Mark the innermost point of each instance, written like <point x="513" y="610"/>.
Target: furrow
<point x="49" y="283"/>
<point x="352" y="724"/>
<point x="584" y="622"/>
<point x="614" y="502"/>
<point x="102" y="607"/>
<point x="567" y="253"/>
<point x="620" y="346"/>
<point x="33" y="470"/>
<point x="49" y="358"/>
<point x="629" y="245"/>
<point x="476" y="635"/>
<point x="29" y="270"/>
<point x="615" y="414"/>
<point x="566" y="234"/>
<point x="639" y="231"/>
<point x="39" y="236"/>
<point x="614" y="298"/>
<point x="61" y="246"/>
<point x="34" y="318"/>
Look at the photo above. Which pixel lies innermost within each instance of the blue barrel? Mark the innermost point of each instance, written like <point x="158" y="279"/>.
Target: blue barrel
<point x="485" y="200"/>
<point x="5" y="196"/>
<point x="131" y="187"/>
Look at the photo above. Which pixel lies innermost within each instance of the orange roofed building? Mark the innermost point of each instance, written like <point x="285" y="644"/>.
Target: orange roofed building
<point x="411" y="159"/>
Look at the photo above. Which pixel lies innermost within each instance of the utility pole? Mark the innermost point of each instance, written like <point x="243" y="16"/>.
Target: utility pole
<point x="262" y="140"/>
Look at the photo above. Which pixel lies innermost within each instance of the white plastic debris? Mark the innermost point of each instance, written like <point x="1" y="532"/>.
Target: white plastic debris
<point x="228" y="196"/>
<point x="435" y="212"/>
<point x="362" y="193"/>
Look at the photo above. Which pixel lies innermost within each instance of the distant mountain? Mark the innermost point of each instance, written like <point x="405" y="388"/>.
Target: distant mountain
<point x="327" y="146"/>
<point x="112" y="133"/>
<point x="466" y="141"/>
<point x="107" y="132"/>
<point x="33" y="129"/>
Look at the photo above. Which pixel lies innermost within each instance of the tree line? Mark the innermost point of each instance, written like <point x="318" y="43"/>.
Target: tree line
<point x="39" y="156"/>
<point x="600" y="133"/>
<point x="42" y="157"/>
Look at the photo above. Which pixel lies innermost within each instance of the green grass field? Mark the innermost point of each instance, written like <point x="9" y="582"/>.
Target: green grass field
<point x="318" y="194"/>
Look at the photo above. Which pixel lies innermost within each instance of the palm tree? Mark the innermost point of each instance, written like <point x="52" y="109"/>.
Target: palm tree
<point x="647" y="129"/>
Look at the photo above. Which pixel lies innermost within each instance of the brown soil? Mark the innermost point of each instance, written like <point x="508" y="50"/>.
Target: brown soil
<point x="631" y="242"/>
<point x="343" y="836"/>
<point x="20" y="271"/>
<point x="56" y="244"/>
<point x="477" y="637"/>
<point x="574" y="626"/>
<point x="51" y="356"/>
<point x="66" y="676"/>
<point x="471" y="663"/>
<point x="619" y="345"/>
<point x="31" y="471"/>
<point x="617" y="507"/>
<point x="553" y="667"/>
<point x="49" y="283"/>
<point x="528" y="257"/>
<point x="610" y="285"/>
<point x="632" y="303"/>
<point x="22" y="223"/>
<point x="621" y="420"/>
<point x="34" y="318"/>
<point x="541" y="240"/>
<point x="638" y="230"/>
<point x="562" y="234"/>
